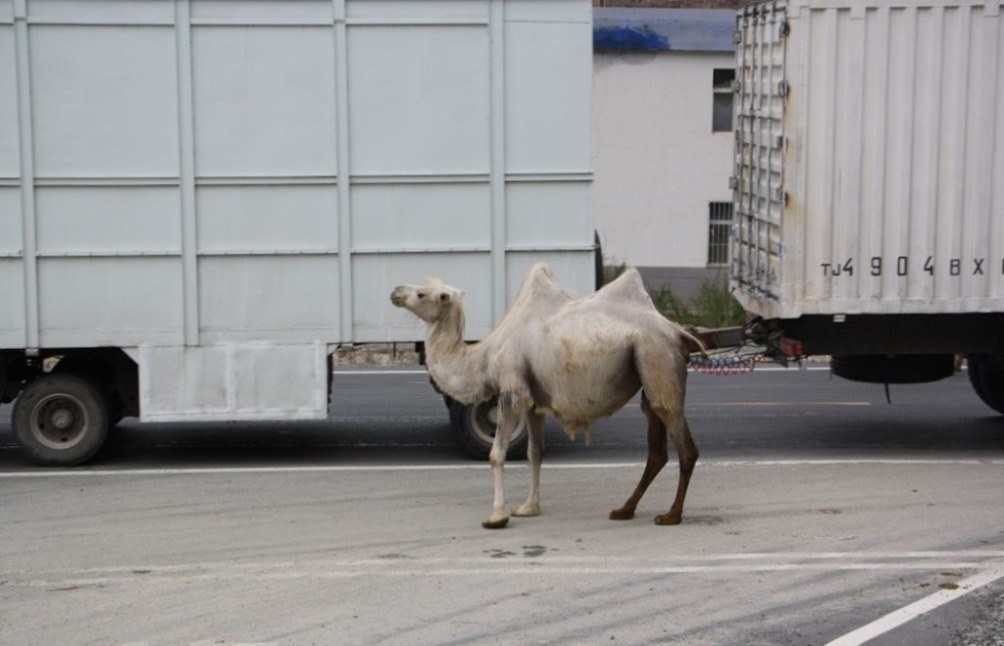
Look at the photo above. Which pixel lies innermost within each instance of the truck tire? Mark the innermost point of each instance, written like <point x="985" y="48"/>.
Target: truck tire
<point x="987" y="377"/>
<point x="60" y="420"/>
<point x="474" y="428"/>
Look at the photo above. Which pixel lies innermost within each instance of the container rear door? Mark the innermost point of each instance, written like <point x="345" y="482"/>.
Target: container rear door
<point x="758" y="182"/>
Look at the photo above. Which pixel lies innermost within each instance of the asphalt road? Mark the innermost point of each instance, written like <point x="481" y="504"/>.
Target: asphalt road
<point x="818" y="512"/>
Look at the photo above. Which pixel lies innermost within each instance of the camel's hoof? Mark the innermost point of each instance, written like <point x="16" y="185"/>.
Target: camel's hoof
<point x="621" y="514"/>
<point x="668" y="519"/>
<point x="495" y="523"/>
<point x="526" y="510"/>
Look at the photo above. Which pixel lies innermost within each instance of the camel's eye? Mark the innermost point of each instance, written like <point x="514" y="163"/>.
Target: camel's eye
<point x="421" y="295"/>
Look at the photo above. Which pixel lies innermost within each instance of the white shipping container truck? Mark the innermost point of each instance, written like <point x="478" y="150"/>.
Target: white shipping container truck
<point x="869" y="185"/>
<point x="200" y="200"/>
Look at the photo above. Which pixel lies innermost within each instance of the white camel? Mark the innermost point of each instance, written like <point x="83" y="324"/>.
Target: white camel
<point x="579" y="359"/>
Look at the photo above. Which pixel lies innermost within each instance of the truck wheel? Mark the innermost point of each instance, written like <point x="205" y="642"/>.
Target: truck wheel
<point x="474" y="426"/>
<point x="60" y="420"/>
<point x="987" y="377"/>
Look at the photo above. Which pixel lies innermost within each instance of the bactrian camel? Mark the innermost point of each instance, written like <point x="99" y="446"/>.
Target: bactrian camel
<point x="579" y="359"/>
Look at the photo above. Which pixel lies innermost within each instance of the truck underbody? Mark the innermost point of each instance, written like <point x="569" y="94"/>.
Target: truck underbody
<point x="895" y="348"/>
<point x="882" y="334"/>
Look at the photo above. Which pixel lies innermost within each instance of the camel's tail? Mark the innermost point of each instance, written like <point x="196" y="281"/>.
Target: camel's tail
<point x="694" y="344"/>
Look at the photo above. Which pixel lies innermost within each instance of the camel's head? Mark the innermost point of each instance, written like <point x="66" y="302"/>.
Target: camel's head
<point x="428" y="302"/>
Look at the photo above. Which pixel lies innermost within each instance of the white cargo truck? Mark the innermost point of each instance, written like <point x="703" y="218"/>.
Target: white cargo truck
<point x="200" y="200"/>
<point x="869" y="185"/>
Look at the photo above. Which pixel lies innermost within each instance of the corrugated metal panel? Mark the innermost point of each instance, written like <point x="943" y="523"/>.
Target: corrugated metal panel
<point x="109" y="300"/>
<point x="18" y="278"/>
<point x="270" y="296"/>
<point x="891" y="162"/>
<point x="10" y="161"/>
<point x="12" y="295"/>
<point x="104" y="101"/>
<point x="241" y="86"/>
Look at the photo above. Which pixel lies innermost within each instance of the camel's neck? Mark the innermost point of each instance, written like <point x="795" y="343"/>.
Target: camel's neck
<point x="454" y="365"/>
<point x="446" y="335"/>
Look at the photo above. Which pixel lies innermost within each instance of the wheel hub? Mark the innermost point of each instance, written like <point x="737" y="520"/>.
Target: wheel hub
<point x="59" y="421"/>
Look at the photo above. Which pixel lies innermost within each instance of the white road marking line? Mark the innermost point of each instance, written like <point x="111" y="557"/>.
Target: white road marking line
<point x="917" y="555"/>
<point x="848" y="462"/>
<point x="474" y="466"/>
<point x="764" y="404"/>
<point x="534" y="566"/>
<point x="908" y="613"/>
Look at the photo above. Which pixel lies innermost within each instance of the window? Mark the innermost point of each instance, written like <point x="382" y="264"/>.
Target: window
<point x="721" y="115"/>
<point x="719" y="231"/>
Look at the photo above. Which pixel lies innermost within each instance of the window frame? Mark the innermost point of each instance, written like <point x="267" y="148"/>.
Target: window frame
<point x="720" y="219"/>
<point x="722" y="79"/>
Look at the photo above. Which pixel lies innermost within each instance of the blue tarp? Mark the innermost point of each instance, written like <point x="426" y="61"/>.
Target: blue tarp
<point x="683" y="30"/>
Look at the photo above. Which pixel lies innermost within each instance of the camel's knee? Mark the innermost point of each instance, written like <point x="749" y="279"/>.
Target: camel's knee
<point x="658" y="456"/>
<point x="688" y="458"/>
<point x="496" y="457"/>
<point x="500" y="447"/>
<point x="686" y="449"/>
<point x="657" y="449"/>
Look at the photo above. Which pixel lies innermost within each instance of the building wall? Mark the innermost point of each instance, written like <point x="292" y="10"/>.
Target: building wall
<point x="657" y="163"/>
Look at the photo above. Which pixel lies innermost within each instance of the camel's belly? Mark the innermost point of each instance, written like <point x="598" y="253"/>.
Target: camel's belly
<point x="581" y="373"/>
<point x="590" y="396"/>
<point x="585" y="407"/>
<point x="576" y="409"/>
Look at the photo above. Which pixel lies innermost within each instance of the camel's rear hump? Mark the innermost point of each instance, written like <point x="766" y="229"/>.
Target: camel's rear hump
<point x="627" y="287"/>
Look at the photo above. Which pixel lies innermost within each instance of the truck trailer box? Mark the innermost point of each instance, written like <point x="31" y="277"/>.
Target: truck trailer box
<point x="200" y="200"/>
<point x="869" y="159"/>
<point x="869" y="186"/>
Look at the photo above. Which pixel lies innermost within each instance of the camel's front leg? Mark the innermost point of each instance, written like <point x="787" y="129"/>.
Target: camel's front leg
<point x="507" y="422"/>
<point x="535" y="429"/>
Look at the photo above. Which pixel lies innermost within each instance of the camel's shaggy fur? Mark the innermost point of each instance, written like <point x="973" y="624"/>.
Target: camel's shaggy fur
<point x="577" y="358"/>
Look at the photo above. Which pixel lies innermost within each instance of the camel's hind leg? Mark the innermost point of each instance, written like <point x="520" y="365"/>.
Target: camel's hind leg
<point x="664" y="382"/>
<point x="687" y="451"/>
<point x="657" y="459"/>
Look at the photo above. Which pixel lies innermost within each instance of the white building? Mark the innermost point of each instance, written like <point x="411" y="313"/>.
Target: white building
<point x="662" y="137"/>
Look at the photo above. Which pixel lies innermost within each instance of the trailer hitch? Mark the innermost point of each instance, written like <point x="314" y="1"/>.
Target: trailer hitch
<point x="726" y="351"/>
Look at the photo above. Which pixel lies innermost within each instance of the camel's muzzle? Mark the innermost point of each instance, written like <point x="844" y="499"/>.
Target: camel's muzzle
<point x="399" y="296"/>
